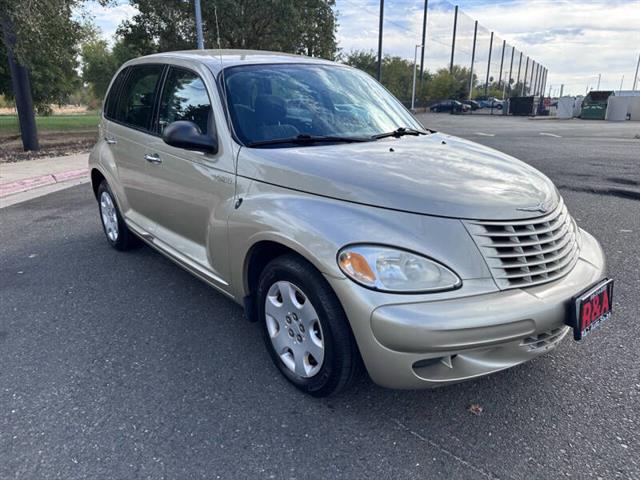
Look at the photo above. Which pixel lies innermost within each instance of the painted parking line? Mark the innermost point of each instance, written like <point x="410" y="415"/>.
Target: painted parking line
<point x="482" y="134"/>
<point x="545" y="134"/>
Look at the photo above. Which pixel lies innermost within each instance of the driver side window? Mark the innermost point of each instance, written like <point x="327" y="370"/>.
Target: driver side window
<point x="185" y="97"/>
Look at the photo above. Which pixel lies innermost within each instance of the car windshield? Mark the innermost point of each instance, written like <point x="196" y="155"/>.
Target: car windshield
<point x="285" y="101"/>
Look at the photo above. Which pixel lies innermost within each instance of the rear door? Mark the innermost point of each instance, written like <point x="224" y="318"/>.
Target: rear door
<point x="129" y="132"/>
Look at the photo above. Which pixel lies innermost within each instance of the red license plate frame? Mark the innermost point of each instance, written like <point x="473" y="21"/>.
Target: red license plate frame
<point x="591" y="308"/>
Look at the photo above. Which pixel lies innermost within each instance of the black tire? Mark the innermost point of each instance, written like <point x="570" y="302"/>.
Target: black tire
<point x="124" y="238"/>
<point x="342" y="362"/>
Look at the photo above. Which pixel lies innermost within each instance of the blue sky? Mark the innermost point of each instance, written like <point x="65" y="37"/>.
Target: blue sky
<point x="576" y="40"/>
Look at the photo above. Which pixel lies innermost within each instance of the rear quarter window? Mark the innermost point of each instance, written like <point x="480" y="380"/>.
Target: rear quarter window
<point x="112" y="97"/>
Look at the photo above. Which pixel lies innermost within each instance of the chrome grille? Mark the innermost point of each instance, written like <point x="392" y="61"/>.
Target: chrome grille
<point x="521" y="253"/>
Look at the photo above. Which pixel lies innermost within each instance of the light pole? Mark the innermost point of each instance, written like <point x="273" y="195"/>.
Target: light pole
<point x="199" y="25"/>
<point x="415" y="69"/>
<point x="381" y="22"/>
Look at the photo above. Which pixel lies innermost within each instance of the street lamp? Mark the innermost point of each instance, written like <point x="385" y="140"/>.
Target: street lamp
<point x="415" y="68"/>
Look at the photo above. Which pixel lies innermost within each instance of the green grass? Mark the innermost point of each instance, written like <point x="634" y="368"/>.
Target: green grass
<point x="53" y="123"/>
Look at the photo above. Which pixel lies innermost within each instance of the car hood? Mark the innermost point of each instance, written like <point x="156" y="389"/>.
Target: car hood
<point x="433" y="174"/>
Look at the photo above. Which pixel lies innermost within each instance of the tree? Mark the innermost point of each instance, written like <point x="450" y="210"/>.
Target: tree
<point x="447" y="84"/>
<point x="39" y="44"/>
<point x="46" y="44"/>
<point x="98" y="66"/>
<point x="295" y="26"/>
<point x="397" y="73"/>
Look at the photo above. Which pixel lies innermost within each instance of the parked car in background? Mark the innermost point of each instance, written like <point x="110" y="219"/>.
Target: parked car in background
<point x="451" y="106"/>
<point x="305" y="192"/>
<point x="491" y="102"/>
<point x="472" y="103"/>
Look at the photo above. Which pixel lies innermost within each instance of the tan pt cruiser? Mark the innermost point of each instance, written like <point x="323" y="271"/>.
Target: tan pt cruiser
<point x="307" y="193"/>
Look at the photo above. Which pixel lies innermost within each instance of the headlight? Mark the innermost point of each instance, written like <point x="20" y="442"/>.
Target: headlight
<point x="392" y="270"/>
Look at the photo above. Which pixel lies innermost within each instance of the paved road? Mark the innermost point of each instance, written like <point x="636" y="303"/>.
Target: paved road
<point x="123" y="366"/>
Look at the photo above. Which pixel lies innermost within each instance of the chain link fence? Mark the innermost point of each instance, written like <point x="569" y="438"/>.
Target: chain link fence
<point x="462" y="59"/>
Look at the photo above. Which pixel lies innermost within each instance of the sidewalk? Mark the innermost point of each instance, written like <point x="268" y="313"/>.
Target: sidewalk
<point x="40" y="176"/>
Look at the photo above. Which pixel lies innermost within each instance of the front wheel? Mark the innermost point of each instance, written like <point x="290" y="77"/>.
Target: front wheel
<point x="305" y="328"/>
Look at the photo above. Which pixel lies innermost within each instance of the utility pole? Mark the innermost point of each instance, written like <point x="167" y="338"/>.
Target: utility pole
<point x="199" y="36"/>
<point x="453" y="41"/>
<point x="486" y="83"/>
<point x="415" y="68"/>
<point x="473" y="58"/>
<point x="424" y="40"/>
<point x="380" y="40"/>
<point x="21" y="90"/>
<point x="635" y="78"/>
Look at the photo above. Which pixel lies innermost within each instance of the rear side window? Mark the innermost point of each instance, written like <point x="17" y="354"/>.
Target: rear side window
<point x="112" y="97"/>
<point x="184" y="97"/>
<point x="137" y="96"/>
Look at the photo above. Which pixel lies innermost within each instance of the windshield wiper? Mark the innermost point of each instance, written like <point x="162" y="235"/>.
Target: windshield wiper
<point x="399" y="132"/>
<point x="305" y="139"/>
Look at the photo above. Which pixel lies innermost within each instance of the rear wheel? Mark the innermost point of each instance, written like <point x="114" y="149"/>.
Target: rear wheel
<point x="305" y="328"/>
<point x="115" y="229"/>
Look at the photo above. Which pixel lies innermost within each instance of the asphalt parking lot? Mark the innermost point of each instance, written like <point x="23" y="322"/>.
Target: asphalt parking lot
<point x="121" y="365"/>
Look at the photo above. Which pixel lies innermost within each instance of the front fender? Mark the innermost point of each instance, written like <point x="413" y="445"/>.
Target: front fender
<point x="317" y="228"/>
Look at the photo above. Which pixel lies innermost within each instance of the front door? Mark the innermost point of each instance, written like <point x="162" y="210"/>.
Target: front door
<point x="190" y="194"/>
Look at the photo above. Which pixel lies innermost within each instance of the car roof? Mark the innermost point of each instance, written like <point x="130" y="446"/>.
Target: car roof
<point x="216" y="60"/>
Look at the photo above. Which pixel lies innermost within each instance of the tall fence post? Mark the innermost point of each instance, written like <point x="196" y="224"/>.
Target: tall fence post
<point x="380" y="40"/>
<point x="539" y="81"/>
<point x="519" y="65"/>
<point x="531" y="77"/>
<point x="534" y="69"/>
<point x="513" y="53"/>
<point x="424" y="40"/>
<point x="473" y="58"/>
<point x="486" y="83"/>
<point x="453" y="40"/>
<point x="504" y="44"/>
<point x="524" y="81"/>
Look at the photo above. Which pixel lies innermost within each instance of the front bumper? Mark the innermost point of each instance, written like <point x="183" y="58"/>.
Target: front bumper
<point x="431" y="343"/>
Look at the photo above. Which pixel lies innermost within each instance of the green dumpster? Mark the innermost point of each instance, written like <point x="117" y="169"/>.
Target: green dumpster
<point x="594" y="105"/>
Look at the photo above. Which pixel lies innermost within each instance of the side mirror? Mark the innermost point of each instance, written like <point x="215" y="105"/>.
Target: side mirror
<point x="187" y="135"/>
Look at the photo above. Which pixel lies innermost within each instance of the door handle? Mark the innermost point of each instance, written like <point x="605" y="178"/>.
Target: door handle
<point x="153" y="158"/>
<point x="110" y="140"/>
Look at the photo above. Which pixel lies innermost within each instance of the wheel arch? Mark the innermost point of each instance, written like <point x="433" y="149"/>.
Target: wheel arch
<point x="260" y="253"/>
<point x="96" y="179"/>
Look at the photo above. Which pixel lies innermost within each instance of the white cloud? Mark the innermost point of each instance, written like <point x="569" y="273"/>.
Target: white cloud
<point x="109" y="18"/>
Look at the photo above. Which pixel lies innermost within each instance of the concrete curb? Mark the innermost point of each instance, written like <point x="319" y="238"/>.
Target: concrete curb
<point x="32" y="183"/>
